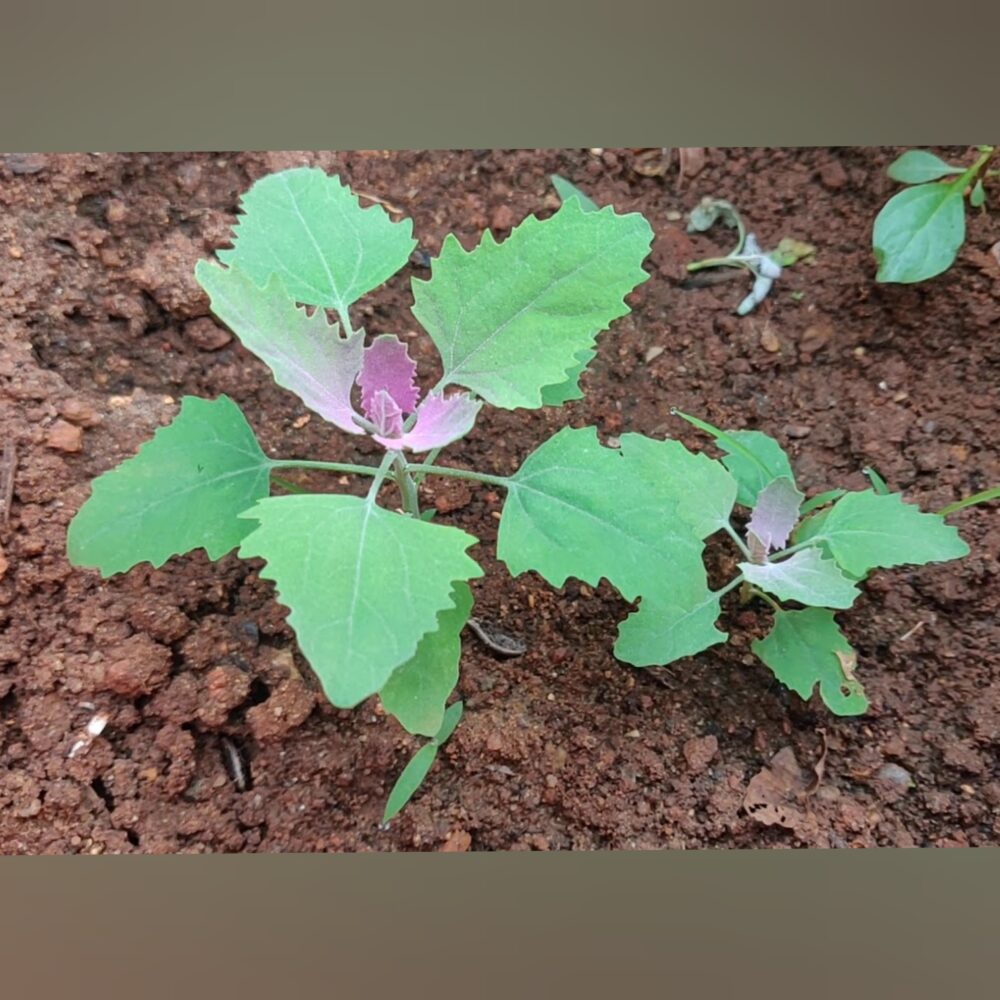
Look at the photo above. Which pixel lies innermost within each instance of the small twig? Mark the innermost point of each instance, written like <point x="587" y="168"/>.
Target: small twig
<point x="819" y="768"/>
<point x="497" y="640"/>
<point x="912" y="632"/>
<point x="7" y="479"/>
<point x="380" y="201"/>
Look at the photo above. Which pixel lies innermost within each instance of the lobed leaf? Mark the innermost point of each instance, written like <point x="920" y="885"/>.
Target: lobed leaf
<point x="919" y="232"/>
<point x="754" y="458"/>
<point x="802" y="650"/>
<point x="417" y="691"/>
<point x="805" y="576"/>
<point x="864" y="530"/>
<point x="305" y="352"/>
<point x="556" y="395"/>
<point x="512" y="318"/>
<point x="578" y="509"/>
<point x="183" y="490"/>
<point x="310" y="229"/>
<point x="364" y="584"/>
<point x="567" y="190"/>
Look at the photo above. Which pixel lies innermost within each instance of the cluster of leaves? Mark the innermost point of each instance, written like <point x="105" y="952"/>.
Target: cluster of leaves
<point x="920" y="230"/>
<point x="378" y="595"/>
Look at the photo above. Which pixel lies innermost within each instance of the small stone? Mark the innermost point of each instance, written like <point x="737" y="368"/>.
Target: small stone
<point x="64" y="436"/>
<point x="895" y="775"/>
<point x="815" y="338"/>
<point x="769" y="340"/>
<point x="458" y="841"/>
<point x="700" y="752"/>
<point x="26" y="163"/>
<point x="76" y="411"/>
<point x="502" y="218"/>
<point x="16" y="252"/>
<point x="798" y="430"/>
<point x="832" y="175"/>
<point x="652" y="353"/>
<point x="115" y="212"/>
<point x="206" y="335"/>
<point x="189" y="176"/>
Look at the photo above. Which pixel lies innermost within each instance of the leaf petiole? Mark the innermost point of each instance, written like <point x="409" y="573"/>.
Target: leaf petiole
<point x="296" y="463"/>
<point x="442" y="470"/>
<point x="740" y="544"/>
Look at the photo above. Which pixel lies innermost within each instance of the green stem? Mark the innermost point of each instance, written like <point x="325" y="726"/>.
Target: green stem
<point x="766" y="597"/>
<point x="296" y="463"/>
<point x="407" y="487"/>
<point x="380" y="474"/>
<point x="731" y="531"/>
<point x="795" y="548"/>
<point x="732" y="585"/>
<point x="288" y="484"/>
<point x="715" y="262"/>
<point x="441" y="470"/>
<point x="431" y="459"/>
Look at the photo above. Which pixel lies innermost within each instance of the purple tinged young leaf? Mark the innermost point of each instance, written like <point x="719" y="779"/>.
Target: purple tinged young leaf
<point x="775" y="513"/>
<point x="387" y="366"/>
<point x="440" y="420"/>
<point x="386" y="415"/>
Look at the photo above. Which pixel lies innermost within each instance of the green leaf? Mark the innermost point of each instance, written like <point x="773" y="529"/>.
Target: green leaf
<point x="805" y="576"/>
<point x="311" y="230"/>
<point x="820" y="500"/>
<point x="879" y="485"/>
<point x="556" y="395"/>
<point x="864" y="530"/>
<point x="566" y="190"/>
<point x="577" y="509"/>
<point x="182" y="491"/>
<point x="412" y="776"/>
<point x="916" y="166"/>
<point x="701" y="488"/>
<point x="754" y="458"/>
<point x="919" y="232"/>
<point x="417" y="691"/>
<point x="512" y="318"/>
<point x="663" y="630"/>
<point x="977" y="197"/>
<point x="801" y="651"/>
<point x="364" y="584"/>
<point x="984" y="497"/>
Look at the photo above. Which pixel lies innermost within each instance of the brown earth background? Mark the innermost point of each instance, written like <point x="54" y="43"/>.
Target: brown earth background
<point x="217" y="738"/>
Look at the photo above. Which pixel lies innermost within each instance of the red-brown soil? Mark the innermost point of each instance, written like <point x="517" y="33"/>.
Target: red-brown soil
<point x="103" y="330"/>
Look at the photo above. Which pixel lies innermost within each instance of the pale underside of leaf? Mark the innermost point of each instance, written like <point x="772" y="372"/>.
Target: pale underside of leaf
<point x="183" y="490"/>
<point x="305" y="352"/>
<point x="512" y="318"/>
<point x="310" y="229"/>
<point x="775" y="513"/>
<point x="805" y="576"/>
<point x="362" y="583"/>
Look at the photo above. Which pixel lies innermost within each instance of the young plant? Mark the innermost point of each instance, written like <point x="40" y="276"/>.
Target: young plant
<point x="920" y="230"/>
<point x="811" y="554"/>
<point x="378" y="598"/>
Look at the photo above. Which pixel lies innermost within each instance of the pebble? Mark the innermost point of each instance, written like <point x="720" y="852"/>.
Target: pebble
<point x="64" y="436"/>
<point x="115" y="211"/>
<point x="832" y="175"/>
<point x="815" y="338"/>
<point x="797" y="430"/>
<point x="769" y="340"/>
<point x="700" y="752"/>
<point x="205" y="334"/>
<point x="76" y="411"/>
<point x="26" y="163"/>
<point x="502" y="218"/>
<point x="896" y="775"/>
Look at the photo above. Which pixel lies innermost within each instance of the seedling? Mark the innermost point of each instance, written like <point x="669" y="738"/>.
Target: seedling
<point x="810" y="553"/>
<point x="378" y="596"/>
<point x="920" y="230"/>
<point x="766" y="268"/>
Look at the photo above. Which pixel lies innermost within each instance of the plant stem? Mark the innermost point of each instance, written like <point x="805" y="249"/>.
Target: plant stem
<point x="407" y="487"/>
<point x="288" y="484"/>
<point x="296" y="463"/>
<point x="441" y="470"/>
<point x="795" y="548"/>
<point x="380" y="474"/>
<point x="716" y="262"/>
<point x="732" y="585"/>
<point x="731" y="531"/>
<point x="766" y="597"/>
<point x="431" y="459"/>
